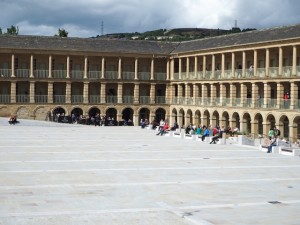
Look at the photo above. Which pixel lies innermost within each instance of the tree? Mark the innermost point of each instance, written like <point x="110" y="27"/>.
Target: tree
<point x="0" y="31"/>
<point x="62" y="33"/>
<point x="12" y="30"/>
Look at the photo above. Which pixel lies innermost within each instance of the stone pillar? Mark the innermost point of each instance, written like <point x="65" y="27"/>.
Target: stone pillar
<point x="243" y="94"/>
<point x="280" y="61"/>
<point x="172" y="69"/>
<point x="232" y="93"/>
<point x="267" y="61"/>
<point x="136" y="93"/>
<point x="152" y="69"/>
<point x="254" y="94"/>
<point x="31" y="67"/>
<point x="86" y="92"/>
<point x="204" y="93"/>
<point x="168" y="93"/>
<point x="223" y="65"/>
<point x="196" y="67"/>
<point x="195" y="93"/>
<point x="103" y="68"/>
<point x="213" y="65"/>
<point x="136" y="63"/>
<point x="280" y="93"/>
<point x="152" y="94"/>
<point x="267" y="94"/>
<point x="13" y="91"/>
<point x="13" y="65"/>
<point x="222" y="94"/>
<point x="120" y="93"/>
<point x="187" y="68"/>
<point x="179" y="91"/>
<point x="293" y="95"/>
<point x="168" y="70"/>
<point x="244" y="64"/>
<point x="180" y="68"/>
<point x="68" y="92"/>
<point x="68" y="67"/>
<point x="103" y="93"/>
<point x="187" y="92"/>
<point x="120" y="69"/>
<point x="233" y="64"/>
<point x="50" y="92"/>
<point x="204" y="65"/>
<point x="213" y="91"/>
<point x="50" y="68"/>
<point x="294" y="61"/>
<point x="255" y="63"/>
<point x="85" y="74"/>
<point x="32" y="92"/>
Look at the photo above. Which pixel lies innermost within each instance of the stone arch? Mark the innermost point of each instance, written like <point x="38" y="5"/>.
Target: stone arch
<point x="111" y="117"/>
<point x="206" y="118"/>
<point x="144" y="113"/>
<point x="235" y="120"/>
<point x="197" y="117"/>
<point x="57" y="111"/>
<point x="127" y="114"/>
<point x="246" y="123"/>
<point x="296" y="128"/>
<point x="174" y="116"/>
<point x="225" y="119"/>
<point x="283" y="126"/>
<point x="215" y="119"/>
<point x="23" y="113"/>
<point x="270" y="123"/>
<point x="258" y="124"/>
<point x="181" y="118"/>
<point x="189" y="117"/>
<point x="77" y="111"/>
<point x="94" y="111"/>
<point x="5" y="112"/>
<point x="160" y="114"/>
<point x="41" y="113"/>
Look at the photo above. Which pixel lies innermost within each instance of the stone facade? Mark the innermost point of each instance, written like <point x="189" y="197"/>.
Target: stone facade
<point x="249" y="80"/>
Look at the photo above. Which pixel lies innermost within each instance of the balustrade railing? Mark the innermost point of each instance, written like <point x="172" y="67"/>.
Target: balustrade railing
<point x="77" y="74"/>
<point x="144" y="99"/>
<point x="94" y="99"/>
<point x="4" y="98"/>
<point x="160" y="76"/>
<point x="127" y="99"/>
<point x="41" y="98"/>
<point x="59" y="74"/>
<point x="94" y="74"/>
<point x="41" y="74"/>
<point x="59" y="99"/>
<point x="22" y="73"/>
<point x="112" y="99"/>
<point x="77" y="98"/>
<point x="144" y="75"/>
<point x="5" y="72"/>
<point x="22" y="98"/>
<point x="128" y="75"/>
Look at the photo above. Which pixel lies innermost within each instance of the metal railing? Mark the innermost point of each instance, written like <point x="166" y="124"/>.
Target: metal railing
<point x="94" y="99"/>
<point x="111" y="75"/>
<point x="4" y="99"/>
<point x="128" y="75"/>
<point x="160" y="100"/>
<point x="5" y="72"/>
<point x="59" y="74"/>
<point x="144" y="99"/>
<point x="41" y="73"/>
<point x="22" y="73"/>
<point x="59" y="99"/>
<point x="94" y="74"/>
<point x="77" y="74"/>
<point x="41" y="98"/>
<point x="22" y="98"/>
<point x="112" y="99"/>
<point x="144" y="75"/>
<point x="160" y="76"/>
<point x="127" y="99"/>
<point x="77" y="98"/>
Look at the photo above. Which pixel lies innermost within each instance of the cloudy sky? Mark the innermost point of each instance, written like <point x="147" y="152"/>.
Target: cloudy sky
<point x="83" y="18"/>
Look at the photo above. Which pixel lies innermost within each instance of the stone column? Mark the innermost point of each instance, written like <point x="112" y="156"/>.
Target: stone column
<point x="222" y="94"/>
<point x="232" y="93"/>
<point x="244" y="64"/>
<point x="255" y="63"/>
<point x="187" y="68"/>
<point x="233" y="64"/>
<point x="103" y="68"/>
<point x="280" y="93"/>
<point x="294" y="61"/>
<point x="13" y="91"/>
<point x="180" y="68"/>
<point x="68" y="67"/>
<point x="50" y="92"/>
<point x="50" y="68"/>
<point x="152" y="94"/>
<point x="31" y="67"/>
<point x="243" y="94"/>
<point x="103" y="93"/>
<point x="168" y="70"/>
<point x="196" y="67"/>
<point x="266" y="127"/>
<point x="32" y="92"/>
<point x="204" y="65"/>
<point x="179" y="91"/>
<point x="68" y="92"/>
<point x="267" y="61"/>
<point x="204" y="94"/>
<point x="152" y="69"/>
<point x="223" y="65"/>
<point x="267" y="94"/>
<point x="136" y="93"/>
<point x="280" y="61"/>
<point x="187" y="92"/>
<point x="120" y="93"/>
<point x="293" y="95"/>
<point x="120" y="69"/>
<point x="13" y="65"/>
<point x="172" y="69"/>
<point x="213" y="65"/>
<point x="213" y="91"/>
<point x="85" y="74"/>
<point x="195" y="93"/>
<point x="86" y="92"/>
<point x="254" y="94"/>
<point x="136" y="63"/>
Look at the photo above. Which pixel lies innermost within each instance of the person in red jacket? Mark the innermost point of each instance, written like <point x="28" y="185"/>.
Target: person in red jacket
<point x="163" y="130"/>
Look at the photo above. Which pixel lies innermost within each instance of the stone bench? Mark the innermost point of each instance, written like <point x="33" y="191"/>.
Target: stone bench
<point x="289" y="151"/>
<point x="264" y="148"/>
<point x="177" y="135"/>
<point x="169" y="133"/>
<point x="190" y="136"/>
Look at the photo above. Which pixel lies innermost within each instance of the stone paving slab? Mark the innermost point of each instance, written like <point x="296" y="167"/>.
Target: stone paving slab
<point x="64" y="174"/>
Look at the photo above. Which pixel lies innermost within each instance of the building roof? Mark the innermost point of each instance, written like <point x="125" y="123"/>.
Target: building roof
<point x="85" y="44"/>
<point x="146" y="47"/>
<point x="250" y="37"/>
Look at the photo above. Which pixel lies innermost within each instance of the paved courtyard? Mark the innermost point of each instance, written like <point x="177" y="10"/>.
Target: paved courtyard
<point x="62" y="174"/>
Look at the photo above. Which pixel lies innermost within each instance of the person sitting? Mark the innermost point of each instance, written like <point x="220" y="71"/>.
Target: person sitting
<point x="175" y="126"/>
<point x="205" y="133"/>
<point x="12" y="120"/>
<point x="217" y="136"/>
<point x="163" y="130"/>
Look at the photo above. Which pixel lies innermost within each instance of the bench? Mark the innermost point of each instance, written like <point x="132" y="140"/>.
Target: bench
<point x="289" y="151"/>
<point x="177" y="135"/>
<point x="190" y="136"/>
<point x="264" y="148"/>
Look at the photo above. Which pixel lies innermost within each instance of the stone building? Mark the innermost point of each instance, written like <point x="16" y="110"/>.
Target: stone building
<point x="248" y="80"/>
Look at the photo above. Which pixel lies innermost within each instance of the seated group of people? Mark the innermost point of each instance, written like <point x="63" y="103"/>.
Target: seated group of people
<point x="12" y="120"/>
